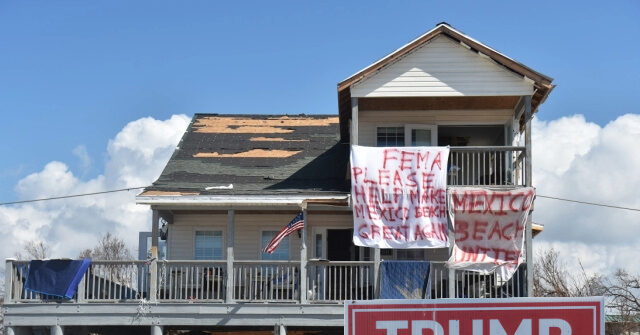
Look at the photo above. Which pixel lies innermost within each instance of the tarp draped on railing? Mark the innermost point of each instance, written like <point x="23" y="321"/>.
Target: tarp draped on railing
<point x="405" y="280"/>
<point x="57" y="277"/>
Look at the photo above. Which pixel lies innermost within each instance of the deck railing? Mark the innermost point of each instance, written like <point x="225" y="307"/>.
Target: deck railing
<point x="253" y="281"/>
<point x="338" y="281"/>
<point x="201" y="281"/>
<point x="487" y="166"/>
<point x="262" y="281"/>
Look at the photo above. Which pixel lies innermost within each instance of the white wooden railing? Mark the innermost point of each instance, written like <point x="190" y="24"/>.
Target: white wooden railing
<point x="487" y="166"/>
<point x="253" y="281"/>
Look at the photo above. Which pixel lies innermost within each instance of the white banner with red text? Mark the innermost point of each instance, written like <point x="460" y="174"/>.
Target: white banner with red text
<point x="489" y="228"/>
<point x="399" y="196"/>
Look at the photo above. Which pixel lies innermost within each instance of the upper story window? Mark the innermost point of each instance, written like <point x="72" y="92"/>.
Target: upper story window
<point x="390" y="137"/>
<point x="282" y="251"/>
<point x="208" y="245"/>
<point x="407" y="135"/>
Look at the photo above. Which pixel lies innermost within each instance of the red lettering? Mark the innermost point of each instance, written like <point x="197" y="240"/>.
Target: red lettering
<point x="406" y="157"/>
<point x="388" y="157"/>
<point x="437" y="161"/>
<point x="356" y="171"/>
<point x="480" y="227"/>
<point x="461" y="233"/>
<point x="422" y="158"/>
<point x="383" y="177"/>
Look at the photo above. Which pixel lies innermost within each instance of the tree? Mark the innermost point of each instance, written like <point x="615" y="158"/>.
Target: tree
<point x="33" y="249"/>
<point x="550" y="278"/>
<point x="623" y="292"/>
<point x="109" y="248"/>
<point x="621" y="289"/>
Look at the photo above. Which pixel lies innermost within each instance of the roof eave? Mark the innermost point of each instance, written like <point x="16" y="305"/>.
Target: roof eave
<point x="244" y="200"/>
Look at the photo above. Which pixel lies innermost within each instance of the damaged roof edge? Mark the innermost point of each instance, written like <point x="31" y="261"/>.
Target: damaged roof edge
<point x="244" y="200"/>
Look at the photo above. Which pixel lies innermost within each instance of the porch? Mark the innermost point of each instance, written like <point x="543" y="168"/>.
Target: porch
<point x="260" y="282"/>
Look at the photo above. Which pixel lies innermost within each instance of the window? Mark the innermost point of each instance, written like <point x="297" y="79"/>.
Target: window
<point x="282" y="251"/>
<point x="407" y="135"/>
<point x="390" y="137"/>
<point x="208" y="245"/>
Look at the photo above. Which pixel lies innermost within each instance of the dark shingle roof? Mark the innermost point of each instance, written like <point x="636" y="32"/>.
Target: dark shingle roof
<point x="258" y="154"/>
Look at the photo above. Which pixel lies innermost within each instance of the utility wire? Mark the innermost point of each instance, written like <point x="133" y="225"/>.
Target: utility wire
<point x="137" y="188"/>
<point x="70" y="196"/>
<point x="589" y="203"/>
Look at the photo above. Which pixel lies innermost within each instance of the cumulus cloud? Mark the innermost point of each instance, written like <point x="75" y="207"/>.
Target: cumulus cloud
<point x="135" y="157"/>
<point x="572" y="158"/>
<point x="576" y="159"/>
<point x="83" y="156"/>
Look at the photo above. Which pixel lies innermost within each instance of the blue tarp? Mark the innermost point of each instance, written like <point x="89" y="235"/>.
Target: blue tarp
<point x="58" y="277"/>
<point x="405" y="280"/>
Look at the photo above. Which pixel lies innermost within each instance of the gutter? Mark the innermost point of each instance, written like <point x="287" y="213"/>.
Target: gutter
<point x="243" y="200"/>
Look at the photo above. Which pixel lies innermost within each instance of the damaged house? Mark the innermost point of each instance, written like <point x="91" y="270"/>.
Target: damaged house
<point x="234" y="181"/>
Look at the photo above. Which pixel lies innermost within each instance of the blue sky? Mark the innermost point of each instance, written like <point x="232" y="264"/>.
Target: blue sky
<point x="73" y="73"/>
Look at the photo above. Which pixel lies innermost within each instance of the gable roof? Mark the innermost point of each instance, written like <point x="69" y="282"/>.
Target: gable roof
<point x="256" y="155"/>
<point x="542" y="83"/>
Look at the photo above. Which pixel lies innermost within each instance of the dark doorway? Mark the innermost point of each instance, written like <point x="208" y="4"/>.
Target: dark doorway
<point x="340" y="245"/>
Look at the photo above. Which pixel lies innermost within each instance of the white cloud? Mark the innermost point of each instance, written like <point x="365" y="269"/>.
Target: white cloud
<point x="579" y="160"/>
<point x="572" y="158"/>
<point x="83" y="156"/>
<point x="135" y="157"/>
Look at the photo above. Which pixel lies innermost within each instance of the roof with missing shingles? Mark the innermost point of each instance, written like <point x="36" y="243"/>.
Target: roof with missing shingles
<point x="257" y="154"/>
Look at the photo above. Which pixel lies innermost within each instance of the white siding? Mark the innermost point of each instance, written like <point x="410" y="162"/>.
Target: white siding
<point x="368" y="121"/>
<point x="442" y="67"/>
<point x="248" y="228"/>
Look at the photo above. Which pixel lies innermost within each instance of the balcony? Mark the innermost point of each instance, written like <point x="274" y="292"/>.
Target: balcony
<point x="494" y="166"/>
<point x="328" y="282"/>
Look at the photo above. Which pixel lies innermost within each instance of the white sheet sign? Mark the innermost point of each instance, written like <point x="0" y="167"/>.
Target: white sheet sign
<point x="489" y="229"/>
<point x="399" y="196"/>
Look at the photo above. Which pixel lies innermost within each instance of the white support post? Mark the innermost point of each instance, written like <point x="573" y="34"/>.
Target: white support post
<point x="528" y="182"/>
<point x="81" y="289"/>
<point x="153" y="286"/>
<point x="156" y="330"/>
<point x="303" y="255"/>
<point x="8" y="281"/>
<point x="376" y="273"/>
<point x="282" y="330"/>
<point x="451" y="279"/>
<point x="230" y="256"/>
<point x="354" y="121"/>
<point x="56" y="330"/>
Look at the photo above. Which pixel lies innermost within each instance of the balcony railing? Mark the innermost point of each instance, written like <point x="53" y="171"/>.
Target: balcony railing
<point x="487" y="166"/>
<point x="253" y="281"/>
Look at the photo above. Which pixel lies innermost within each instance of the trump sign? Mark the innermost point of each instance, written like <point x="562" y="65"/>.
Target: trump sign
<point x="513" y="316"/>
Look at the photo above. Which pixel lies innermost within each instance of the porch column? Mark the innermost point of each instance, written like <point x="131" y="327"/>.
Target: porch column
<point x="153" y="284"/>
<point x="303" y="255"/>
<point x="354" y="121"/>
<point x="451" y="279"/>
<point x="376" y="273"/>
<point x="156" y="330"/>
<point x="230" y="256"/>
<point x="56" y="330"/>
<point x="528" y="182"/>
<point x="8" y="280"/>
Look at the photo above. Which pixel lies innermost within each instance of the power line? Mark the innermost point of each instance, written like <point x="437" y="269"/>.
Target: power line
<point x="137" y="188"/>
<point x="589" y="203"/>
<point x="70" y="196"/>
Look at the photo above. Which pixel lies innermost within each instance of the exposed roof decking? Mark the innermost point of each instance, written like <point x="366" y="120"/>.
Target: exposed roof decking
<point x="257" y="154"/>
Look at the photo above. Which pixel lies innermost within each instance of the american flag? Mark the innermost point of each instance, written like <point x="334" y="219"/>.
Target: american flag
<point x="296" y="224"/>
